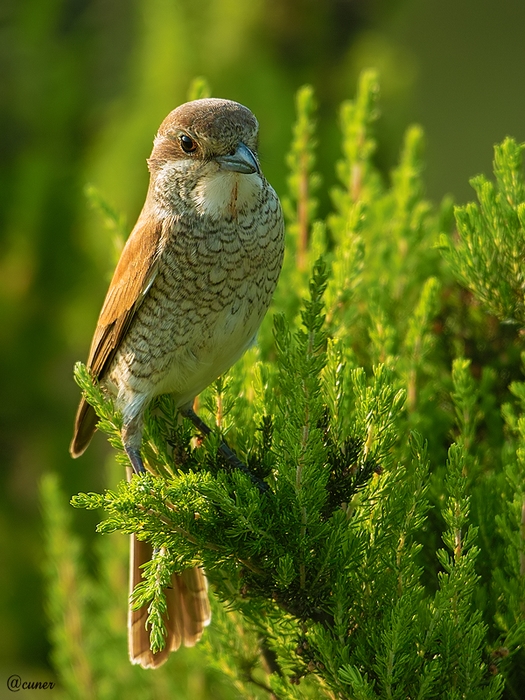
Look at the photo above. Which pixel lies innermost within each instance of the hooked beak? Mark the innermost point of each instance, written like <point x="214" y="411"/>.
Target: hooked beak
<point x="242" y="161"/>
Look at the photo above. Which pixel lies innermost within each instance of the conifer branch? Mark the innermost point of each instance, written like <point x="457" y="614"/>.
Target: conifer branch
<point x="333" y="583"/>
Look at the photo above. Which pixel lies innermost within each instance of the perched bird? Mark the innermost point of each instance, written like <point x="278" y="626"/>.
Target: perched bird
<point x="189" y="292"/>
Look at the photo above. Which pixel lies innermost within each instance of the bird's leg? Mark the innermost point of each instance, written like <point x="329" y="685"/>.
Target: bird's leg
<point x="131" y="439"/>
<point x="135" y="459"/>
<point x="202" y="427"/>
<point x="224" y="448"/>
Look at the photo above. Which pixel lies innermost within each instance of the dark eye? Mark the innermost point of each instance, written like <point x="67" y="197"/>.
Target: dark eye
<point x="187" y="143"/>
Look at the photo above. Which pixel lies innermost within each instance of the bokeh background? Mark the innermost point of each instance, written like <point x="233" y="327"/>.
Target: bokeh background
<point x="83" y="86"/>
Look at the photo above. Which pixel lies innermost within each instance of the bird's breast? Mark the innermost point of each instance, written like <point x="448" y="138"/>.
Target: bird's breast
<point x="214" y="281"/>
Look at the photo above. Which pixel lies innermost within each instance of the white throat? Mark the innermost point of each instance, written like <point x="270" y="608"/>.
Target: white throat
<point x="226" y="194"/>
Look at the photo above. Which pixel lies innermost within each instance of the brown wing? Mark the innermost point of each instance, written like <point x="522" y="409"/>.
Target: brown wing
<point x="133" y="276"/>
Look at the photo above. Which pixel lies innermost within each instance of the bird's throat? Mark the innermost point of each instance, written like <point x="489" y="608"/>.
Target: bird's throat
<point x="226" y="194"/>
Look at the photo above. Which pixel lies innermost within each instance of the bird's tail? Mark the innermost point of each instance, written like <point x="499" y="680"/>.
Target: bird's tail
<point x="187" y="614"/>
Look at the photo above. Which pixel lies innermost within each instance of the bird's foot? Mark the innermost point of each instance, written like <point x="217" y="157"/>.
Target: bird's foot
<point x="224" y="448"/>
<point x="135" y="459"/>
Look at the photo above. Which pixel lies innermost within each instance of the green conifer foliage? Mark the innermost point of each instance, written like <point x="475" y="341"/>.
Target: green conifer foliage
<point x="386" y="559"/>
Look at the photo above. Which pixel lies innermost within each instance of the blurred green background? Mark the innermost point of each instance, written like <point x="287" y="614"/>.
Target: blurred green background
<point x="84" y="85"/>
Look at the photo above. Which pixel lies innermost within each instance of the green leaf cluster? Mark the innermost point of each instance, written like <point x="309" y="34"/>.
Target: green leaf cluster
<point x="386" y="559"/>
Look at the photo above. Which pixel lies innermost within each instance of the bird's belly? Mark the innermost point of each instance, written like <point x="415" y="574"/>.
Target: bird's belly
<point x="196" y="366"/>
<point x="182" y="350"/>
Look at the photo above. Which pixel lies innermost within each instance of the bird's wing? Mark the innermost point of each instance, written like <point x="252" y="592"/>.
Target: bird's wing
<point x="134" y="275"/>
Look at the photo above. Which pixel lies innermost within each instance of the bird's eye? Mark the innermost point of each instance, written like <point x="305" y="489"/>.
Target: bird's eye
<point x="187" y="143"/>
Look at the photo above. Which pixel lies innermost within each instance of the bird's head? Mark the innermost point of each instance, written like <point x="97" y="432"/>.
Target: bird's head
<point x="206" y="152"/>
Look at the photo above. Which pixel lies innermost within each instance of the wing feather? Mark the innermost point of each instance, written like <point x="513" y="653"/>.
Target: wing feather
<point x="133" y="277"/>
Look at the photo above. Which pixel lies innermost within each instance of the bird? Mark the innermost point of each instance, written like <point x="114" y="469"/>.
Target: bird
<point x="189" y="292"/>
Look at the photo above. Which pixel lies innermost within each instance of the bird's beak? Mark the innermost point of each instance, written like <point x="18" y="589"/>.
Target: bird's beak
<point x="242" y="161"/>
